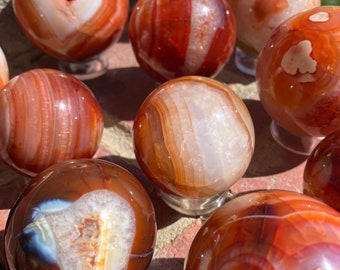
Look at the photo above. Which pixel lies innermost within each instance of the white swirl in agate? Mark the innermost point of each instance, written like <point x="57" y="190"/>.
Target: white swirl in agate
<point x="65" y="18"/>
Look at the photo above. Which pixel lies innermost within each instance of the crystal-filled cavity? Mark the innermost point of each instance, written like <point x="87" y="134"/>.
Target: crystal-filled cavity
<point x="82" y="214"/>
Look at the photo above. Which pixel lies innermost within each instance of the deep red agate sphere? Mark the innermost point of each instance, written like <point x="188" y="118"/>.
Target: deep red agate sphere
<point x="173" y="38"/>
<point x="268" y="230"/>
<point x="47" y="116"/>
<point x="81" y="214"/>
<point x="72" y="30"/>
<point x="193" y="137"/>
<point x="298" y="73"/>
<point x="322" y="171"/>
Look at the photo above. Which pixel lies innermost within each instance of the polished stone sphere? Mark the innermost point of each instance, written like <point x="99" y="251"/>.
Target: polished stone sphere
<point x="182" y="37"/>
<point x="72" y="30"/>
<point x="268" y="229"/>
<point x="322" y="171"/>
<point x="47" y="116"/>
<point x="257" y="19"/>
<point x="81" y="214"/>
<point x="194" y="137"/>
<point x="298" y="73"/>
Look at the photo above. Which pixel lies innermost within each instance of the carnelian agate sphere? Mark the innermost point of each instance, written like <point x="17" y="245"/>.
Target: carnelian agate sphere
<point x="4" y="73"/>
<point x="193" y="137"/>
<point x="322" y="171"/>
<point x="72" y="30"/>
<point x="268" y="230"/>
<point x="298" y="73"/>
<point x="256" y="19"/>
<point x="47" y="116"/>
<point x="81" y="214"/>
<point x="173" y="38"/>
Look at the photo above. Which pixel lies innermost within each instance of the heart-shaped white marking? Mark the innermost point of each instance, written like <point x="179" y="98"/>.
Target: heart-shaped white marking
<point x="98" y="229"/>
<point x="64" y="17"/>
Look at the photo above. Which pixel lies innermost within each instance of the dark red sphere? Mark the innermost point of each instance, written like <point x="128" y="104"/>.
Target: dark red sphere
<point x="322" y="171"/>
<point x="172" y="38"/>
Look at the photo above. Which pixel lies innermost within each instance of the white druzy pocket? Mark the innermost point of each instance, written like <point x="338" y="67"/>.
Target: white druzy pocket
<point x="85" y="214"/>
<point x="94" y="232"/>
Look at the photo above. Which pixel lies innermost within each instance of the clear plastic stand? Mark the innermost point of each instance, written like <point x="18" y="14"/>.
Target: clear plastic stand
<point x="302" y="145"/>
<point x="86" y="69"/>
<point x="244" y="62"/>
<point x="195" y="207"/>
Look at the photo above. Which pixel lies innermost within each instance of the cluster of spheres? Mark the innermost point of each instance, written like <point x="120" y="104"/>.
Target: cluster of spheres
<point x="77" y="212"/>
<point x="193" y="136"/>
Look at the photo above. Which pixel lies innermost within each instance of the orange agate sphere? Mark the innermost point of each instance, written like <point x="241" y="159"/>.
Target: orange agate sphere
<point x="47" y="116"/>
<point x="81" y="214"/>
<point x="193" y="137"/>
<point x="72" y="30"/>
<point x="298" y="73"/>
<point x="257" y="19"/>
<point x="268" y="230"/>
<point x="182" y="37"/>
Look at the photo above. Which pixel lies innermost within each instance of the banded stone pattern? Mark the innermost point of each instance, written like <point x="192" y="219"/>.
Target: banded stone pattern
<point x="47" y="116"/>
<point x="182" y="37"/>
<point x="298" y="73"/>
<point x="194" y="137"/>
<point x="72" y="30"/>
<point x="268" y="229"/>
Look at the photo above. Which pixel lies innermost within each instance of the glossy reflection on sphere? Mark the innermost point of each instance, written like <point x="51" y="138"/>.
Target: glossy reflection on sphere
<point x="322" y="171"/>
<point x="193" y="137"/>
<point x="81" y="214"/>
<point x="182" y="37"/>
<point x="256" y="19"/>
<point x="268" y="230"/>
<point x="47" y="116"/>
<point x="298" y="73"/>
<point x="72" y="30"/>
<point x="4" y="73"/>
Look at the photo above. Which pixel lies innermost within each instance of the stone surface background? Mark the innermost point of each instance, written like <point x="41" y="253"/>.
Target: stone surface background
<point x="120" y="92"/>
